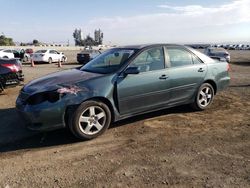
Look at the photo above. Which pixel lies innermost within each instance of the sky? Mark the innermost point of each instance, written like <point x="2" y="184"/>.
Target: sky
<point x="128" y="22"/>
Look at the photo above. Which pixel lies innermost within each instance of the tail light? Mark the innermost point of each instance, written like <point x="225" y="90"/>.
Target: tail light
<point x="12" y="67"/>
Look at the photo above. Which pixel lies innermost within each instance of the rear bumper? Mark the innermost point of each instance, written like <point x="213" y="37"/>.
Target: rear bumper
<point x="12" y="78"/>
<point x="82" y="60"/>
<point x="223" y="83"/>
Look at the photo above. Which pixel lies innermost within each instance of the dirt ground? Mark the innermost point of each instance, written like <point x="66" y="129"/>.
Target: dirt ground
<point x="174" y="147"/>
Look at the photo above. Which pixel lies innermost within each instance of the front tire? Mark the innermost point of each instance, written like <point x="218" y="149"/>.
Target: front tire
<point x="204" y="97"/>
<point x="90" y="120"/>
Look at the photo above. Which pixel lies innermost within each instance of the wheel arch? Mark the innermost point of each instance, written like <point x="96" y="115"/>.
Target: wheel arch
<point x="71" y="108"/>
<point x="213" y="84"/>
<point x="107" y="102"/>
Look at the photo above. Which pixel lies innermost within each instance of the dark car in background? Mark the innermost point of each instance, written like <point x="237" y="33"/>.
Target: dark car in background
<point x="19" y="53"/>
<point x="121" y="82"/>
<point x="87" y="55"/>
<point x="217" y="53"/>
<point x="10" y="73"/>
<point x="23" y="54"/>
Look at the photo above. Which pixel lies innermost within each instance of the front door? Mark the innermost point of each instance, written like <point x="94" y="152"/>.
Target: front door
<point x="148" y="89"/>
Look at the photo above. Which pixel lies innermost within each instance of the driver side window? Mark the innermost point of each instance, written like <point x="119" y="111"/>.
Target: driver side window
<point x="149" y="60"/>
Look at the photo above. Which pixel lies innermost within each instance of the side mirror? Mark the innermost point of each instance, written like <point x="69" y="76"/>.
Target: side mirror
<point x="132" y="70"/>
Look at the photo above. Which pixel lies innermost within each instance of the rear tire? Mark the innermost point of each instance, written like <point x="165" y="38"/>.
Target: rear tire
<point x="50" y="60"/>
<point x="1" y="86"/>
<point x="204" y="97"/>
<point x="63" y="60"/>
<point x="90" y="120"/>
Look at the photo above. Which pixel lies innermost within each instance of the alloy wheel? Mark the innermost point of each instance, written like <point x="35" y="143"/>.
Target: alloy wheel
<point x="205" y="96"/>
<point x="92" y="120"/>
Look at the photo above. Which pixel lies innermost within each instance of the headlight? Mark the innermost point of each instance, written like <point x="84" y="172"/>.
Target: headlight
<point x="51" y="96"/>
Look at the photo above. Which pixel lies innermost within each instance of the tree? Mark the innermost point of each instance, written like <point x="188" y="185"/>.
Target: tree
<point x="35" y="42"/>
<point x="78" y="37"/>
<point x="4" y="41"/>
<point x="88" y="41"/>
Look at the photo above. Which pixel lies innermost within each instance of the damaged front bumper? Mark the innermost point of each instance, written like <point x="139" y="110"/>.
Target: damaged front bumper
<point x="46" y="110"/>
<point x="42" y="117"/>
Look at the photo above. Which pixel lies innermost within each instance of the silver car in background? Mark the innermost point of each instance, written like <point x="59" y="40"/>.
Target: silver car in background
<point x="217" y="53"/>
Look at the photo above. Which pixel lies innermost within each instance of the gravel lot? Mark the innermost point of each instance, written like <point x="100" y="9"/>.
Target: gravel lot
<point x="174" y="147"/>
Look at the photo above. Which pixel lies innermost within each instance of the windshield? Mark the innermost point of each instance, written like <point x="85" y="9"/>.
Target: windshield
<point x="109" y="61"/>
<point x="41" y="51"/>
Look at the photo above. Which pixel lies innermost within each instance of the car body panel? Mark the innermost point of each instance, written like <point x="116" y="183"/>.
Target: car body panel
<point x="125" y="94"/>
<point x="153" y="91"/>
<point x="185" y="81"/>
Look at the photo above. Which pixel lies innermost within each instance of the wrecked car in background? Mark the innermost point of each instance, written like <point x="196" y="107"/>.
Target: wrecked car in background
<point x="10" y="73"/>
<point x="217" y="53"/>
<point x="120" y="83"/>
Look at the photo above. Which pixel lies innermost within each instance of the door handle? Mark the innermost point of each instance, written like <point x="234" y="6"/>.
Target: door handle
<point x="163" y="77"/>
<point x="201" y="70"/>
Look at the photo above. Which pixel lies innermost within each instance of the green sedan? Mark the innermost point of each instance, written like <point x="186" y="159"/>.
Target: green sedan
<point x="120" y="83"/>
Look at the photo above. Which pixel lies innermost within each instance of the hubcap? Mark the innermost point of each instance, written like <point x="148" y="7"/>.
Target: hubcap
<point x="205" y="96"/>
<point x="92" y="120"/>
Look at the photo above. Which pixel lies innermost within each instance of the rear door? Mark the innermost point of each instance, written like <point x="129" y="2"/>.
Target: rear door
<point x="57" y="55"/>
<point x="53" y="54"/>
<point x="148" y="89"/>
<point x="186" y="73"/>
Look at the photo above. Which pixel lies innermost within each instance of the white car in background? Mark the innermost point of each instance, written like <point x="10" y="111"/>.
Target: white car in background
<point x="48" y="56"/>
<point x="6" y="53"/>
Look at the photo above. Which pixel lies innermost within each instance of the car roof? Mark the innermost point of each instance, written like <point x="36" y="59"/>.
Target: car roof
<point x="216" y="48"/>
<point x="141" y="46"/>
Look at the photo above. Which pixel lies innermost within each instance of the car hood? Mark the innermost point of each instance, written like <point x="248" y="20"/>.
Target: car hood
<point x="59" y="79"/>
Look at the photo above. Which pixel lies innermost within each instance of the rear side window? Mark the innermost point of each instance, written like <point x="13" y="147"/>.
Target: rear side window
<point x="196" y="60"/>
<point x="8" y="51"/>
<point x="53" y="52"/>
<point x="41" y="51"/>
<point x="179" y="57"/>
